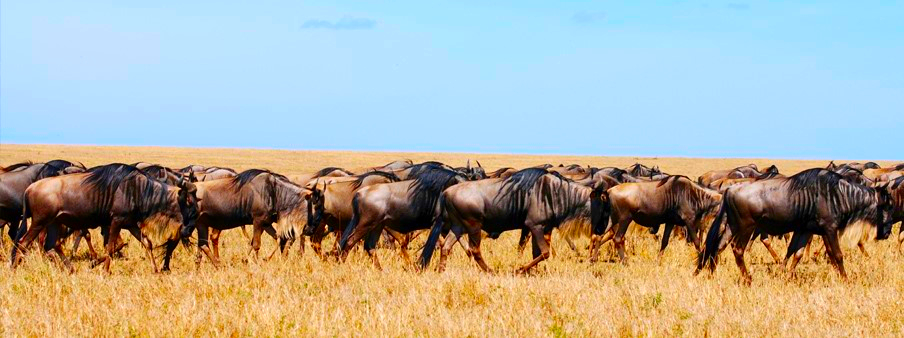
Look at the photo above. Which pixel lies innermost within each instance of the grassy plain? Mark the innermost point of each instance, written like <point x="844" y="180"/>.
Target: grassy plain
<point x="564" y="296"/>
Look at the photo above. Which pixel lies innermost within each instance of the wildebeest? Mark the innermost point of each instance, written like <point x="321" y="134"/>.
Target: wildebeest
<point x="255" y="196"/>
<point x="879" y="174"/>
<point x="403" y="206"/>
<point x="504" y="172"/>
<point x="708" y="177"/>
<point x="532" y="198"/>
<point x="304" y="179"/>
<point x="215" y="173"/>
<point x="814" y="201"/>
<point x="392" y="166"/>
<point x="330" y="206"/>
<point x="895" y="190"/>
<point x="114" y="197"/>
<point x="15" y="178"/>
<point x="472" y="173"/>
<point x="675" y="200"/>
<point x="852" y="165"/>
<point x="640" y="170"/>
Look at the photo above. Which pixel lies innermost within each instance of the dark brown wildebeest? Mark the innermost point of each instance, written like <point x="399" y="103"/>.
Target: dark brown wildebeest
<point x="532" y="198"/>
<point x="330" y="206"/>
<point x="115" y="197"/>
<point x="15" y="178"/>
<point x="673" y="201"/>
<point x="814" y="201"/>
<point x="403" y="207"/>
<point x="853" y="165"/>
<point x="255" y="196"/>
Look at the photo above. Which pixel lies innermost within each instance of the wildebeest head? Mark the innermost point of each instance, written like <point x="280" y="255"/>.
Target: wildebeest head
<point x="884" y="211"/>
<point x="188" y="207"/>
<point x="316" y="208"/>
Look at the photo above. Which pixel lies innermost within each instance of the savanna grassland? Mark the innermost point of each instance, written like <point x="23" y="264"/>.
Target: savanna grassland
<point x="563" y="296"/>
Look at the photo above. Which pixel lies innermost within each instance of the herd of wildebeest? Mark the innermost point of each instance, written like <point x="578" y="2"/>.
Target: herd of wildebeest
<point x="388" y="206"/>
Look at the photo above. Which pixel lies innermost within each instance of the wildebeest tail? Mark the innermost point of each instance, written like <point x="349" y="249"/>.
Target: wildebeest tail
<point x="714" y="237"/>
<point x="352" y="224"/>
<point x="432" y="239"/>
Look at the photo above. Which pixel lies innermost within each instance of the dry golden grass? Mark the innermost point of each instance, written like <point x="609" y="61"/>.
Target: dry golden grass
<point x="565" y="296"/>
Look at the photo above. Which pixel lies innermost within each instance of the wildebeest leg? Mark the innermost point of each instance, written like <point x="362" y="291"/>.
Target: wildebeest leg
<point x="245" y="233"/>
<point x="270" y="230"/>
<point x="540" y="240"/>
<point x="522" y="241"/>
<point x="113" y="235"/>
<point x="403" y="240"/>
<point x="455" y="232"/>
<point x="215" y="241"/>
<point x="203" y="233"/>
<point x="317" y="241"/>
<point x="619" y="239"/>
<point x="370" y="246"/>
<point x="764" y="238"/>
<point x="170" y="247"/>
<point x="833" y="249"/>
<point x="148" y="246"/>
<point x="258" y="230"/>
<point x="862" y="247"/>
<point x="571" y="245"/>
<point x="474" y="238"/>
<point x="739" y="247"/>
<point x="38" y="224"/>
<point x="901" y="238"/>
<point x="796" y="248"/>
<point x="665" y="239"/>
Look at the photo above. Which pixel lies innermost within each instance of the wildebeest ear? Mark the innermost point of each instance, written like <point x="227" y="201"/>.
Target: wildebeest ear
<point x="478" y="164"/>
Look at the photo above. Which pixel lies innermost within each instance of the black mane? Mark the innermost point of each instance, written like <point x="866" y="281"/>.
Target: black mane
<point x="847" y="199"/>
<point x="17" y="166"/>
<point x="516" y="191"/>
<point x="500" y="171"/>
<point x="426" y="189"/>
<point x="54" y="168"/>
<point x="329" y="170"/>
<point x="360" y="180"/>
<point x="145" y="197"/>
<point x="246" y="176"/>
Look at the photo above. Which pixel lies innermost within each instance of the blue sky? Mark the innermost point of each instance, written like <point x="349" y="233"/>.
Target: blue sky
<point x="672" y="78"/>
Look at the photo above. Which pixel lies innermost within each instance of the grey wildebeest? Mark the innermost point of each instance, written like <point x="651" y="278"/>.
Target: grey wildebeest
<point x="675" y="200"/>
<point x="403" y="207"/>
<point x="304" y="179"/>
<point x="532" y="198"/>
<point x="115" y="197"/>
<point x="330" y="206"/>
<point x="814" y="201"/>
<point x="255" y="196"/>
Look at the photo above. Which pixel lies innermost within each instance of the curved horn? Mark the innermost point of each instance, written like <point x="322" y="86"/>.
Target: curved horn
<point x="478" y="164"/>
